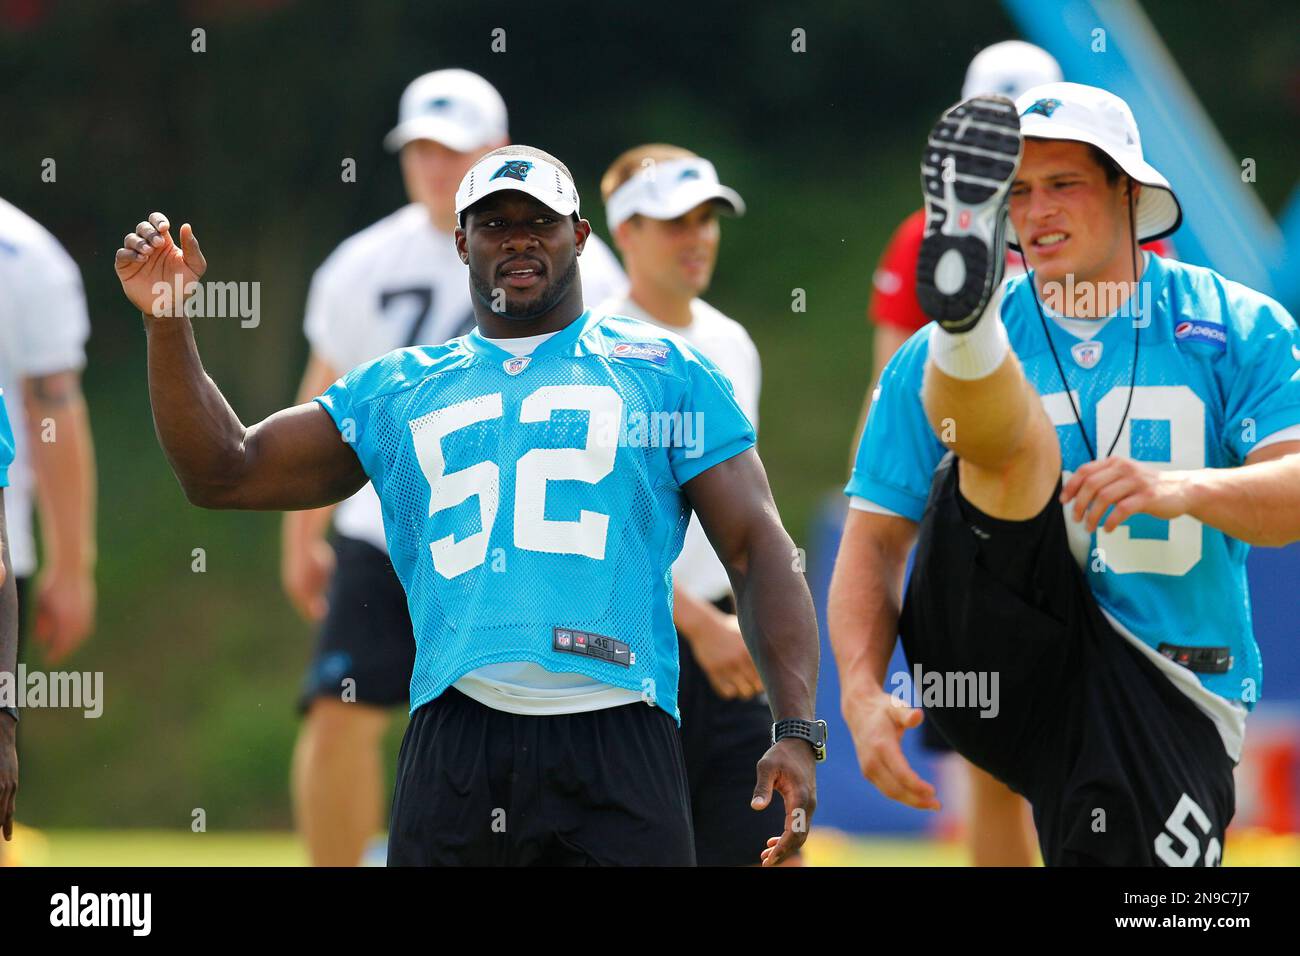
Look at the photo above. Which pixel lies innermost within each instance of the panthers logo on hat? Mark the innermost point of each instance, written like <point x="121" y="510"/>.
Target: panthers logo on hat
<point x="688" y="174"/>
<point x="513" y="169"/>
<point x="1045" y="106"/>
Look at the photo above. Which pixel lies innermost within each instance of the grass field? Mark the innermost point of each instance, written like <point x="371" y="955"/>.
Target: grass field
<point x="258" y="848"/>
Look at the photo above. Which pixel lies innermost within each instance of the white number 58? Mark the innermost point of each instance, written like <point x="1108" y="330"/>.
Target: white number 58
<point x="1177" y="825"/>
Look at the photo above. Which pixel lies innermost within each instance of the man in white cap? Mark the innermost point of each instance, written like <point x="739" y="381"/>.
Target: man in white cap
<point x="536" y="477"/>
<point x="1087" y="453"/>
<point x="997" y="822"/>
<point x="662" y="204"/>
<point x="396" y="283"/>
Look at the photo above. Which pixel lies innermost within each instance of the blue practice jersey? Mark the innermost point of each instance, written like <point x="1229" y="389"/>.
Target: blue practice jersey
<point x="1218" y="371"/>
<point x="6" y="443"/>
<point x="533" y="506"/>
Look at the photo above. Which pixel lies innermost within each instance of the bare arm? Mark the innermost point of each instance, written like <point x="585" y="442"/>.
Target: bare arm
<point x="63" y="462"/>
<point x="295" y="458"/>
<point x="306" y="560"/>
<point x="1258" y="502"/>
<point x="735" y="507"/>
<point x="866" y="599"/>
<point x="776" y="613"/>
<point x="718" y="645"/>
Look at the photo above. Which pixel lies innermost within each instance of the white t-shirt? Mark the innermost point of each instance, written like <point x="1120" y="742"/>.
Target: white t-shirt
<point x="43" y="330"/>
<point x="396" y="283"/>
<point x="725" y="342"/>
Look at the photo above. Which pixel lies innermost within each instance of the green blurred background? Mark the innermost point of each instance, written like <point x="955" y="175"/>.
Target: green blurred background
<point x="245" y="141"/>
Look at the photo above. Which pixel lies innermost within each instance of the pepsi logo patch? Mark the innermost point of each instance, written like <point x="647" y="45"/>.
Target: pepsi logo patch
<point x="649" y="351"/>
<point x="1086" y="354"/>
<point x="514" y="366"/>
<point x="1206" y="333"/>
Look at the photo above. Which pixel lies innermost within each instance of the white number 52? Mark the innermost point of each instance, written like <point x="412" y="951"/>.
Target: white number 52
<point x="533" y="530"/>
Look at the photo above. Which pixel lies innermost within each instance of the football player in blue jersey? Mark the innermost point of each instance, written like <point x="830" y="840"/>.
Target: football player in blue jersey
<point x="1083" y="463"/>
<point x="536" y="477"/>
<point x="8" y="645"/>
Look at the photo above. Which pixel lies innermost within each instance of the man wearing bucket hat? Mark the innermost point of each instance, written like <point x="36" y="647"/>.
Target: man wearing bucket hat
<point x="397" y="282"/>
<point x="662" y="204"/>
<point x="1087" y="457"/>
<point x="533" y="504"/>
<point x="997" y="821"/>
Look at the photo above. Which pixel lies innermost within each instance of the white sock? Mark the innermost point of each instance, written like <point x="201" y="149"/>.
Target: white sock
<point x="974" y="354"/>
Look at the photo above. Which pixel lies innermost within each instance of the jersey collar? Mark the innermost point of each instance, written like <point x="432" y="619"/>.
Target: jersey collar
<point x="1118" y="326"/>
<point x="558" y="344"/>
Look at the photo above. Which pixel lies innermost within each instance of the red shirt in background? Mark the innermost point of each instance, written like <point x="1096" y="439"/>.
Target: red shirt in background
<point x="893" y="292"/>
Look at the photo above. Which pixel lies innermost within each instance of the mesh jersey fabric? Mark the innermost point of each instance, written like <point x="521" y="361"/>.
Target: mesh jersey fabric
<point x="6" y="443"/>
<point x="1218" y="371"/>
<point x="530" y="498"/>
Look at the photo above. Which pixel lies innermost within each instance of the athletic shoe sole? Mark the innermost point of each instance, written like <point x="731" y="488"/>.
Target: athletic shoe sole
<point x="967" y="169"/>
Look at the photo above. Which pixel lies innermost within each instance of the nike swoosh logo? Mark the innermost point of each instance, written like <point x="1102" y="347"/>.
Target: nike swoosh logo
<point x="1295" y="352"/>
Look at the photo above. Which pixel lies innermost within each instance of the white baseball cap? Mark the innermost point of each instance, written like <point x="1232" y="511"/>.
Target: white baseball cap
<point x="457" y="108"/>
<point x="1009" y="68"/>
<point x="667" y="189"/>
<point x="520" y="169"/>
<point x="1087" y="114"/>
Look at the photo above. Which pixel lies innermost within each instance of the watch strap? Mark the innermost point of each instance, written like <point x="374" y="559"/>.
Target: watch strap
<point x="813" y="731"/>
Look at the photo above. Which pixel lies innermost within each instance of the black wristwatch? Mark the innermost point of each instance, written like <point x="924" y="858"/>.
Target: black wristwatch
<point x="813" y="731"/>
<point x="11" y="711"/>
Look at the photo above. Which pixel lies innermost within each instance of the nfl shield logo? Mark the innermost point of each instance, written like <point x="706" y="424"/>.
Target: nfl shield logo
<point x="516" y="365"/>
<point x="1086" y="354"/>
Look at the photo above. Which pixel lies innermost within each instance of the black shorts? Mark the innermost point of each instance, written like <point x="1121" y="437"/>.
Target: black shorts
<point x="366" y="634"/>
<point x="722" y="741"/>
<point x="481" y="787"/>
<point x="1120" y="766"/>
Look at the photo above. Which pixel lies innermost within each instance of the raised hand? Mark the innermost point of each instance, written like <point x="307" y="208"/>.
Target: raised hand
<point x="157" y="275"/>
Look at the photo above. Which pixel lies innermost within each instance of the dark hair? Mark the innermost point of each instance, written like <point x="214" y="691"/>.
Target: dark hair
<point x="1108" y="165"/>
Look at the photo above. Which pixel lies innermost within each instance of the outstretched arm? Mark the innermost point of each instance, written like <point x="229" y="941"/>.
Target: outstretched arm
<point x="65" y="483"/>
<point x="777" y="619"/>
<point x="294" y="459"/>
<point x="1258" y="502"/>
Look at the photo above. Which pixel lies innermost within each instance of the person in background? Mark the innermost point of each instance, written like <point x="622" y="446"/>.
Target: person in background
<point x="662" y="205"/>
<point x="43" y="331"/>
<point x="998" y="825"/>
